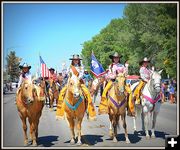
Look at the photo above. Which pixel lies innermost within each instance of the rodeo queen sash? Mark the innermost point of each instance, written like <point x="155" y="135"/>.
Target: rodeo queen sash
<point x="74" y="70"/>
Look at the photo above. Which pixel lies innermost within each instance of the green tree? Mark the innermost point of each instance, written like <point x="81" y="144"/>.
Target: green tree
<point x="146" y="30"/>
<point x="13" y="63"/>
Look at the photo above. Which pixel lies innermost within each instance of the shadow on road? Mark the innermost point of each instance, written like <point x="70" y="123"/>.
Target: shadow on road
<point x="91" y="139"/>
<point x="134" y="138"/>
<point x="158" y="134"/>
<point x="47" y="141"/>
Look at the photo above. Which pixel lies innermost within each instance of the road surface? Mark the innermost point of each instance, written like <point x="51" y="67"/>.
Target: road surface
<point x="55" y="133"/>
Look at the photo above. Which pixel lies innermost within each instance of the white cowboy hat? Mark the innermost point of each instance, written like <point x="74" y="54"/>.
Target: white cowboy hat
<point x="75" y="56"/>
<point x="25" y="65"/>
<point x="115" y="55"/>
<point x="144" y="60"/>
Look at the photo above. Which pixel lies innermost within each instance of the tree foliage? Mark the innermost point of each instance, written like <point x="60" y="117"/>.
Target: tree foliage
<point x="13" y="63"/>
<point x="146" y="30"/>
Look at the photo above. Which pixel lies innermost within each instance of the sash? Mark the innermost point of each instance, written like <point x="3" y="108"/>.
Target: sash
<point x="74" y="70"/>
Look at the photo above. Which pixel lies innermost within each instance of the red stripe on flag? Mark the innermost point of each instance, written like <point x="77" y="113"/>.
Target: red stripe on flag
<point x="44" y="70"/>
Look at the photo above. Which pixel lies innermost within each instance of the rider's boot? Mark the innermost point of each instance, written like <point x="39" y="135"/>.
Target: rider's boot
<point x="103" y="106"/>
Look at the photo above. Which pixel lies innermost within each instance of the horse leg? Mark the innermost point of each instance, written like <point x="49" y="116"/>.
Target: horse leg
<point x="71" y="126"/>
<point x="37" y="124"/>
<point x="34" y="142"/>
<point x="79" y="131"/>
<point x="155" y="113"/>
<point x="110" y="130"/>
<point x="125" y="128"/>
<point x="51" y="102"/>
<point x="142" y="120"/>
<point x="114" y="123"/>
<point x="32" y="131"/>
<point x="23" y="119"/>
<point x="134" y="123"/>
<point x="146" y="124"/>
<point x="110" y="127"/>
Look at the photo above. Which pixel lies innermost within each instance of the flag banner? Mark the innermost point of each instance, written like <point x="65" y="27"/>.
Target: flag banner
<point x="44" y="70"/>
<point x="96" y="68"/>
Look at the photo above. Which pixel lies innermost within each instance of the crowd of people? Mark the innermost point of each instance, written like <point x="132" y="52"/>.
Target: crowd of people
<point x="169" y="91"/>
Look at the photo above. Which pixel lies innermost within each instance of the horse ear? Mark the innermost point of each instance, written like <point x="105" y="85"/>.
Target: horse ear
<point x="151" y="71"/>
<point x="160" y="71"/>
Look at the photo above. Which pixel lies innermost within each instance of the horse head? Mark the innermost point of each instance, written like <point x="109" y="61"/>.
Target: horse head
<point x="155" y="81"/>
<point x="74" y="86"/>
<point x="120" y="81"/>
<point x="28" y="91"/>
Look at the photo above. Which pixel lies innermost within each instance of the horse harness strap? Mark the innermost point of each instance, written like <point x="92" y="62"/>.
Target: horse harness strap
<point x="76" y="105"/>
<point x="153" y="101"/>
<point x="115" y="103"/>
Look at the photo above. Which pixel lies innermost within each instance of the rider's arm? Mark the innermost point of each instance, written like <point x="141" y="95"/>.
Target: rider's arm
<point x="143" y="75"/>
<point x="110" y="74"/>
<point x="20" y="81"/>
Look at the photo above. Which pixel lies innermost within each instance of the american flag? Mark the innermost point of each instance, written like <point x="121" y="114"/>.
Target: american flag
<point x="44" y="70"/>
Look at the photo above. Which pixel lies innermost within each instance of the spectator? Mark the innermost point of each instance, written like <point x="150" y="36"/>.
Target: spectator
<point x="171" y="92"/>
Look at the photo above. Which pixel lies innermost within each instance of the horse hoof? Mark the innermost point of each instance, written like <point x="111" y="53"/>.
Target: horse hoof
<point x="111" y="134"/>
<point x="34" y="144"/>
<point x="135" y="132"/>
<point x="79" y="143"/>
<point x="72" y="142"/>
<point x="25" y="143"/>
<point x="147" y="137"/>
<point x="153" y="136"/>
<point x="115" y="140"/>
<point x="127" y="141"/>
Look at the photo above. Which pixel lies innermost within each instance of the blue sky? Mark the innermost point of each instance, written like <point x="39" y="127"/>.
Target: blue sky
<point x="55" y="31"/>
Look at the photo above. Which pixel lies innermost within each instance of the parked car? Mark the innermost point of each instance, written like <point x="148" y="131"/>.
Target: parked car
<point x="14" y="85"/>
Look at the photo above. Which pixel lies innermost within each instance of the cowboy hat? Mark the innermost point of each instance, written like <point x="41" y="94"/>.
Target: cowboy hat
<point x="75" y="56"/>
<point x="144" y="60"/>
<point x="51" y="69"/>
<point x="115" y="55"/>
<point x="25" y="65"/>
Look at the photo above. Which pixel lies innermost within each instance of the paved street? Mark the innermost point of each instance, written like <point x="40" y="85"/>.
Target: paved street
<point x="55" y="133"/>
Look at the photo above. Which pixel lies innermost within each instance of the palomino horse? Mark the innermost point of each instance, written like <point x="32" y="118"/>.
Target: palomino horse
<point x="74" y="107"/>
<point x="29" y="106"/>
<point x="117" y="104"/>
<point x="53" y="92"/>
<point x="150" y="102"/>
